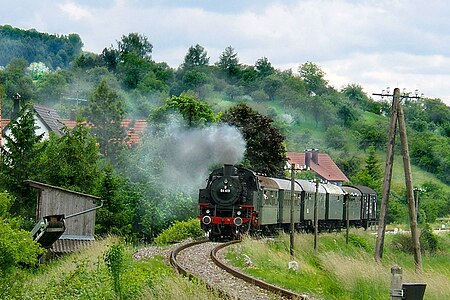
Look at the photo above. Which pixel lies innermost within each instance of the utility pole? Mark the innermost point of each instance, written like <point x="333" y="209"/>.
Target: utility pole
<point x="291" y="234"/>
<point x="316" y="215"/>
<point x="397" y="116"/>
<point x="387" y="176"/>
<point x="409" y="191"/>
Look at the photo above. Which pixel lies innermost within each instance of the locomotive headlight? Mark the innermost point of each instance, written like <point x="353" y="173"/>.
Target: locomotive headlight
<point x="238" y="212"/>
<point x="237" y="221"/>
<point x="206" y="220"/>
<point x="208" y="211"/>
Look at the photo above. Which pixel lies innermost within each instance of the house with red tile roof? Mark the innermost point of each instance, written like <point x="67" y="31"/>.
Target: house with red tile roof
<point x="320" y="163"/>
<point x="133" y="129"/>
<point x="48" y="120"/>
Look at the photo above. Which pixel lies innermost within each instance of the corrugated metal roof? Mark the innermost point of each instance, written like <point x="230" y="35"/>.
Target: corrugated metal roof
<point x="64" y="246"/>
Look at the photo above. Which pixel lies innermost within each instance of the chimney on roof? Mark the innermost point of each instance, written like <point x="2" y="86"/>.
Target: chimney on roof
<point x="308" y="159"/>
<point x="315" y="156"/>
<point x="16" y="107"/>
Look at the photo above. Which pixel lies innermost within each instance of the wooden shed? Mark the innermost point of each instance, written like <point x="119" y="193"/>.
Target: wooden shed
<point x="80" y="229"/>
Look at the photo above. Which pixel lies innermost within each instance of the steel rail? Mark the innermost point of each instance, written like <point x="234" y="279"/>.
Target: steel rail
<point x="264" y="285"/>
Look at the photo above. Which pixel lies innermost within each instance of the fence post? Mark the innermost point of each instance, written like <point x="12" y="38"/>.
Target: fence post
<point x="396" y="283"/>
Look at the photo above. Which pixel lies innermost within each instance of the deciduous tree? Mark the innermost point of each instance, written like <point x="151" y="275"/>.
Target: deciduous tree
<point x="265" y="152"/>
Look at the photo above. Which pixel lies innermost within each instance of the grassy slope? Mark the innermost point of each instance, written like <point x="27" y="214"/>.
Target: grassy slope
<point x="341" y="271"/>
<point x="84" y="275"/>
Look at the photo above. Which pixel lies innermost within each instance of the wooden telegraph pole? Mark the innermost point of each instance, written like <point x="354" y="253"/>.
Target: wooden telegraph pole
<point x="291" y="234"/>
<point x="397" y="116"/>
<point x="387" y="176"/>
<point x="409" y="191"/>
<point x="316" y="215"/>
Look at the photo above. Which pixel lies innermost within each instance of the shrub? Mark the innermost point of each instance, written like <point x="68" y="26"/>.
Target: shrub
<point x="179" y="231"/>
<point x="359" y="241"/>
<point x="114" y="259"/>
<point x="402" y="242"/>
<point x="428" y="240"/>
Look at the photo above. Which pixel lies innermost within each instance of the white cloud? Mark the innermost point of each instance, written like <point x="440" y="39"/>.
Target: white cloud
<point x="372" y="43"/>
<point x="74" y="11"/>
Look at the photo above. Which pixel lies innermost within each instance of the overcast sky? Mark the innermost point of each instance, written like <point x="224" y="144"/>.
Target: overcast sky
<point x="375" y="44"/>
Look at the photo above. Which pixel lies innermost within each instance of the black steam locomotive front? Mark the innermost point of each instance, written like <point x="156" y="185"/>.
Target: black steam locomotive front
<point x="226" y="204"/>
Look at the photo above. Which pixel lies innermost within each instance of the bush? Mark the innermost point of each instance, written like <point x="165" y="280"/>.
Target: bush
<point x="428" y="240"/>
<point x="402" y="242"/>
<point x="359" y="241"/>
<point x="179" y="231"/>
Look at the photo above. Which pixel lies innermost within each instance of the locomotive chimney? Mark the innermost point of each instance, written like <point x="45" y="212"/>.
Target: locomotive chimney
<point x="228" y="170"/>
<point x="315" y="156"/>
<point x="308" y="158"/>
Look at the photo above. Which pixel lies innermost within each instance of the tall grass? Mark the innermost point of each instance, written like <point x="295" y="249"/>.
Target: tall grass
<point x="338" y="270"/>
<point x="87" y="275"/>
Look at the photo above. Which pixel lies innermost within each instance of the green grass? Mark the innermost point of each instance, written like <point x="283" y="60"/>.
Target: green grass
<point x="84" y="275"/>
<point x="338" y="270"/>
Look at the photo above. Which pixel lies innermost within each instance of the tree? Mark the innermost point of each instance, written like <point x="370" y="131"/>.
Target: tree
<point x="51" y="86"/>
<point x="265" y="152"/>
<point x="106" y="110"/>
<point x="313" y="76"/>
<point x="335" y="137"/>
<point x="347" y="114"/>
<point x="371" y="175"/>
<point x="116" y="215"/>
<point x="229" y="62"/>
<point x="111" y="58"/>
<point x="71" y="161"/>
<point x="271" y="84"/>
<point x="264" y="68"/>
<point x="192" y="110"/>
<point x="371" y="135"/>
<point x="16" y="247"/>
<point x="15" y="80"/>
<point x="355" y="95"/>
<point x="135" y="43"/>
<point x="19" y="156"/>
<point x="134" y="69"/>
<point x="195" y="57"/>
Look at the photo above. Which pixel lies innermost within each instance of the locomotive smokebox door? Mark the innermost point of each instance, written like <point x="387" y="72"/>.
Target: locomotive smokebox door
<point x="226" y="190"/>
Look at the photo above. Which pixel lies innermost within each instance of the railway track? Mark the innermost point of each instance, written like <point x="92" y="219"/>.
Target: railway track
<point x="201" y="259"/>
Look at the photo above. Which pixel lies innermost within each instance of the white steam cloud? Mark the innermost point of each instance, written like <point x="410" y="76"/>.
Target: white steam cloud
<point x="194" y="151"/>
<point x="188" y="154"/>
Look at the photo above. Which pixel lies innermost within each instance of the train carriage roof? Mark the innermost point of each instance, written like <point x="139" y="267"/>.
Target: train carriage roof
<point x="333" y="189"/>
<point x="351" y="190"/>
<point x="277" y="183"/>
<point x="365" y="189"/>
<point x="284" y="184"/>
<point x="308" y="186"/>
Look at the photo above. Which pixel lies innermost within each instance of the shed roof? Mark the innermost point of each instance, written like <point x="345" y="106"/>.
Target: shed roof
<point x="42" y="186"/>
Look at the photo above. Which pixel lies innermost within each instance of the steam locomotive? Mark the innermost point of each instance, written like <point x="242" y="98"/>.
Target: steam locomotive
<point x="236" y="200"/>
